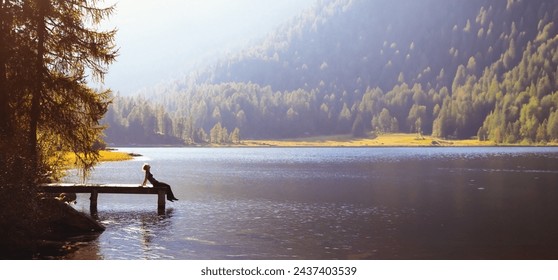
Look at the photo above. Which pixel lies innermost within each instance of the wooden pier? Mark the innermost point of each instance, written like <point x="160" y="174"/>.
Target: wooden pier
<point x="96" y="189"/>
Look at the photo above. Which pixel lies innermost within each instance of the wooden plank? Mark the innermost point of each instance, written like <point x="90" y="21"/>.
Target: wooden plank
<point x="161" y="201"/>
<point x="93" y="202"/>
<point x="112" y="188"/>
<point x="96" y="189"/>
<point x="90" y="185"/>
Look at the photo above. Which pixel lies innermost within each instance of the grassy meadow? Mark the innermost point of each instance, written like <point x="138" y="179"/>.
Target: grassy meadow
<point x="384" y="140"/>
<point x="107" y="155"/>
<point x="68" y="159"/>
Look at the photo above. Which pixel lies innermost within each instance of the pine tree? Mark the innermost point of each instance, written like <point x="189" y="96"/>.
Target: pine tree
<point x="552" y="126"/>
<point x="46" y="48"/>
<point x="5" y="42"/>
<point x="66" y="46"/>
<point x="235" y="136"/>
<point x="215" y="134"/>
<point x="358" y="127"/>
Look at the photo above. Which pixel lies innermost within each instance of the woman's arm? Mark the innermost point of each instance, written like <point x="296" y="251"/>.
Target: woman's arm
<point x="144" y="180"/>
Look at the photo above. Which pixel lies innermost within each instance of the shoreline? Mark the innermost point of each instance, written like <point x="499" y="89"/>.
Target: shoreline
<point x="397" y="140"/>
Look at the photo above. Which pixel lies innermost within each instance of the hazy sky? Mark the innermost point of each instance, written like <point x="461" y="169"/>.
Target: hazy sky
<point x="163" y="40"/>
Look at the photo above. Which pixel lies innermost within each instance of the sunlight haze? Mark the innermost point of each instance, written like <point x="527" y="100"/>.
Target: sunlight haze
<point x="324" y="133"/>
<point x="164" y="40"/>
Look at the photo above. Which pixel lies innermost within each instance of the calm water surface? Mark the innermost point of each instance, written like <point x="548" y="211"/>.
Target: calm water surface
<point x="331" y="203"/>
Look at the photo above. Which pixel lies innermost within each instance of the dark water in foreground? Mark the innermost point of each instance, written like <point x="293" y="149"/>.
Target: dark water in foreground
<point x="332" y="203"/>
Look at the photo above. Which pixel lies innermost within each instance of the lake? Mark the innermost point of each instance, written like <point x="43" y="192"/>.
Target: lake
<point x="331" y="203"/>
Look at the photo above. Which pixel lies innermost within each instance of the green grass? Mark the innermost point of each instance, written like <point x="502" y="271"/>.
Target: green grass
<point x="114" y="156"/>
<point x="69" y="158"/>
<point x="384" y="140"/>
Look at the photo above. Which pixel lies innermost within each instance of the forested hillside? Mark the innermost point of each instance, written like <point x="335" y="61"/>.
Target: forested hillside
<point x="451" y="68"/>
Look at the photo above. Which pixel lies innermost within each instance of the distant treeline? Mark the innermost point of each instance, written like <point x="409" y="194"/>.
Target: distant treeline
<point x="451" y="68"/>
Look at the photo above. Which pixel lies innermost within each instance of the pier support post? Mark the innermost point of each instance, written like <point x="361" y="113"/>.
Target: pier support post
<point x="93" y="202"/>
<point x="161" y="201"/>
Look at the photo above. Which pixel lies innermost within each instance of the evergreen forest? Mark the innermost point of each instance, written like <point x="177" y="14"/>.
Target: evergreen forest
<point x="454" y="69"/>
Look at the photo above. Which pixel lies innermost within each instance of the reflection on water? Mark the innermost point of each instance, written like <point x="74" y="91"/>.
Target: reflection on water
<point x="130" y="232"/>
<point x="303" y="203"/>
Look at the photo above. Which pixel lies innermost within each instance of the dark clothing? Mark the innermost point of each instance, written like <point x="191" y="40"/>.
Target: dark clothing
<point x="151" y="179"/>
<point x="157" y="184"/>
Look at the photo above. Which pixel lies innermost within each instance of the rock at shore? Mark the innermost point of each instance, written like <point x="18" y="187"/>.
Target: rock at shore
<point x="62" y="220"/>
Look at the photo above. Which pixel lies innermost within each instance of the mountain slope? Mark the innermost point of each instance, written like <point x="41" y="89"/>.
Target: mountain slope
<point x="451" y="68"/>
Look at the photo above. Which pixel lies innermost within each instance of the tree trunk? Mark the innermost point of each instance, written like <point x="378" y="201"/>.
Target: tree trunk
<point x="38" y="91"/>
<point x="5" y="123"/>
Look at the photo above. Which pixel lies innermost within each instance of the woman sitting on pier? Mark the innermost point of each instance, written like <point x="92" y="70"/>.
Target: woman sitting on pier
<point x="157" y="184"/>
